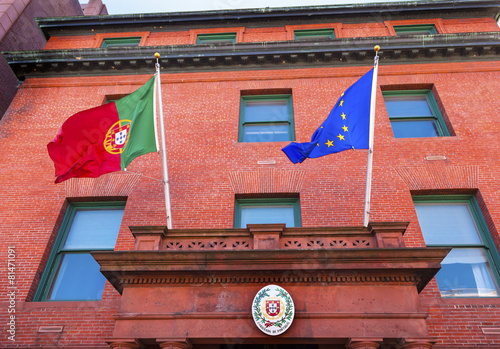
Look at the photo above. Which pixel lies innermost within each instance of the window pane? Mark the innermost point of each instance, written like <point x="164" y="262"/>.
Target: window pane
<point x="414" y="32"/>
<point x="407" y="106"/>
<point x="215" y="41"/>
<point x="275" y="110"/>
<point x="447" y="224"/>
<point x="465" y="272"/>
<point x="94" y="229"/>
<point x="415" y="29"/>
<point x="314" y="34"/>
<point x="311" y="37"/>
<point x="266" y="133"/>
<point x="78" y="278"/>
<point x="414" y="128"/>
<point x="216" y="38"/>
<point x="267" y="214"/>
<point x="121" y="42"/>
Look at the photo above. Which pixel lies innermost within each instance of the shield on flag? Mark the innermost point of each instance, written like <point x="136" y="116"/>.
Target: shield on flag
<point x="273" y="307"/>
<point x="119" y="136"/>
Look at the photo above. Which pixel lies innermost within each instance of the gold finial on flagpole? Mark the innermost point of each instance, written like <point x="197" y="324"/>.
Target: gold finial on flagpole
<point x="376" y="49"/>
<point x="157" y="56"/>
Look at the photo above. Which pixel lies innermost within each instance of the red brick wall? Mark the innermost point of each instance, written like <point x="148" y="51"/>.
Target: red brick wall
<point x="470" y="25"/>
<point x="207" y="164"/>
<point x="364" y="30"/>
<point x="168" y="38"/>
<point x="264" y="34"/>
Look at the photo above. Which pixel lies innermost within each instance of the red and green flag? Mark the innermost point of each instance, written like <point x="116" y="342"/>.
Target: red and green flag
<point x="106" y="138"/>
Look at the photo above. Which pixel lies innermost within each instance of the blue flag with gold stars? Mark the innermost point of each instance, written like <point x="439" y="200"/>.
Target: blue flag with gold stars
<point x="347" y="126"/>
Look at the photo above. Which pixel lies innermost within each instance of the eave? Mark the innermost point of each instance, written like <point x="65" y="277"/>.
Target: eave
<point x="253" y="56"/>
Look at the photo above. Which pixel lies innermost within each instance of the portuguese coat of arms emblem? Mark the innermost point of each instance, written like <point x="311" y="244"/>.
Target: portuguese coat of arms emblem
<point x="273" y="310"/>
<point x="117" y="137"/>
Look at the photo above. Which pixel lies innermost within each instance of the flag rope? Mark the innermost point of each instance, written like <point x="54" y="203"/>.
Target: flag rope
<point x="143" y="175"/>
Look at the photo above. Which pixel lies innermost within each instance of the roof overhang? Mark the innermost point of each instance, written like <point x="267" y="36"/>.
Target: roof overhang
<point x="255" y="56"/>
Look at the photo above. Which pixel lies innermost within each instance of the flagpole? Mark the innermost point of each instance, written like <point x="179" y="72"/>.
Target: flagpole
<point x="166" y="187"/>
<point x="370" y="141"/>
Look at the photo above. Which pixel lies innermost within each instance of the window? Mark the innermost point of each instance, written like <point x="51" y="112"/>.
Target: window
<point x="120" y="42"/>
<point x="266" y="211"/>
<point x="314" y="34"/>
<point x="266" y="118"/>
<point x="219" y="38"/>
<point x="425" y="29"/>
<point x="414" y="113"/>
<point x="71" y="272"/>
<point x="471" y="267"/>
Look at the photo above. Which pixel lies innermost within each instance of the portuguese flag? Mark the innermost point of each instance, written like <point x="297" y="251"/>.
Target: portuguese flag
<point x="106" y="138"/>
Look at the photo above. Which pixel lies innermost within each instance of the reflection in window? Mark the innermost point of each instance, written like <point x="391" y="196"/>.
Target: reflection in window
<point x="467" y="271"/>
<point x="72" y="272"/>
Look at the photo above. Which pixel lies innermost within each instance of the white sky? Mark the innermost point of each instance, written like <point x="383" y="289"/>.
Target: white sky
<point x="149" y="6"/>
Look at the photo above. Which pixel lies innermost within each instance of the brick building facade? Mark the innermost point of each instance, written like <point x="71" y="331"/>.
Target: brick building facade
<point x="434" y="191"/>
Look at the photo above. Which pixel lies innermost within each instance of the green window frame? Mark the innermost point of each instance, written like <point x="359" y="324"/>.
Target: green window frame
<point x="471" y="269"/>
<point x="312" y="34"/>
<point x="121" y="42"/>
<point x="71" y="273"/>
<point x="414" y="114"/>
<point x="216" y="38"/>
<point x="267" y="211"/>
<point x="266" y="118"/>
<point x="421" y="29"/>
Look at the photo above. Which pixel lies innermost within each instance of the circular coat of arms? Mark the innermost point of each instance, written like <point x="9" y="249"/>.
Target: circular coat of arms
<point x="273" y="310"/>
<point x="117" y="137"/>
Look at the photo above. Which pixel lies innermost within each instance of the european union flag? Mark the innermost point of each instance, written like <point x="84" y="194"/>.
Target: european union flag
<point x="347" y="126"/>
